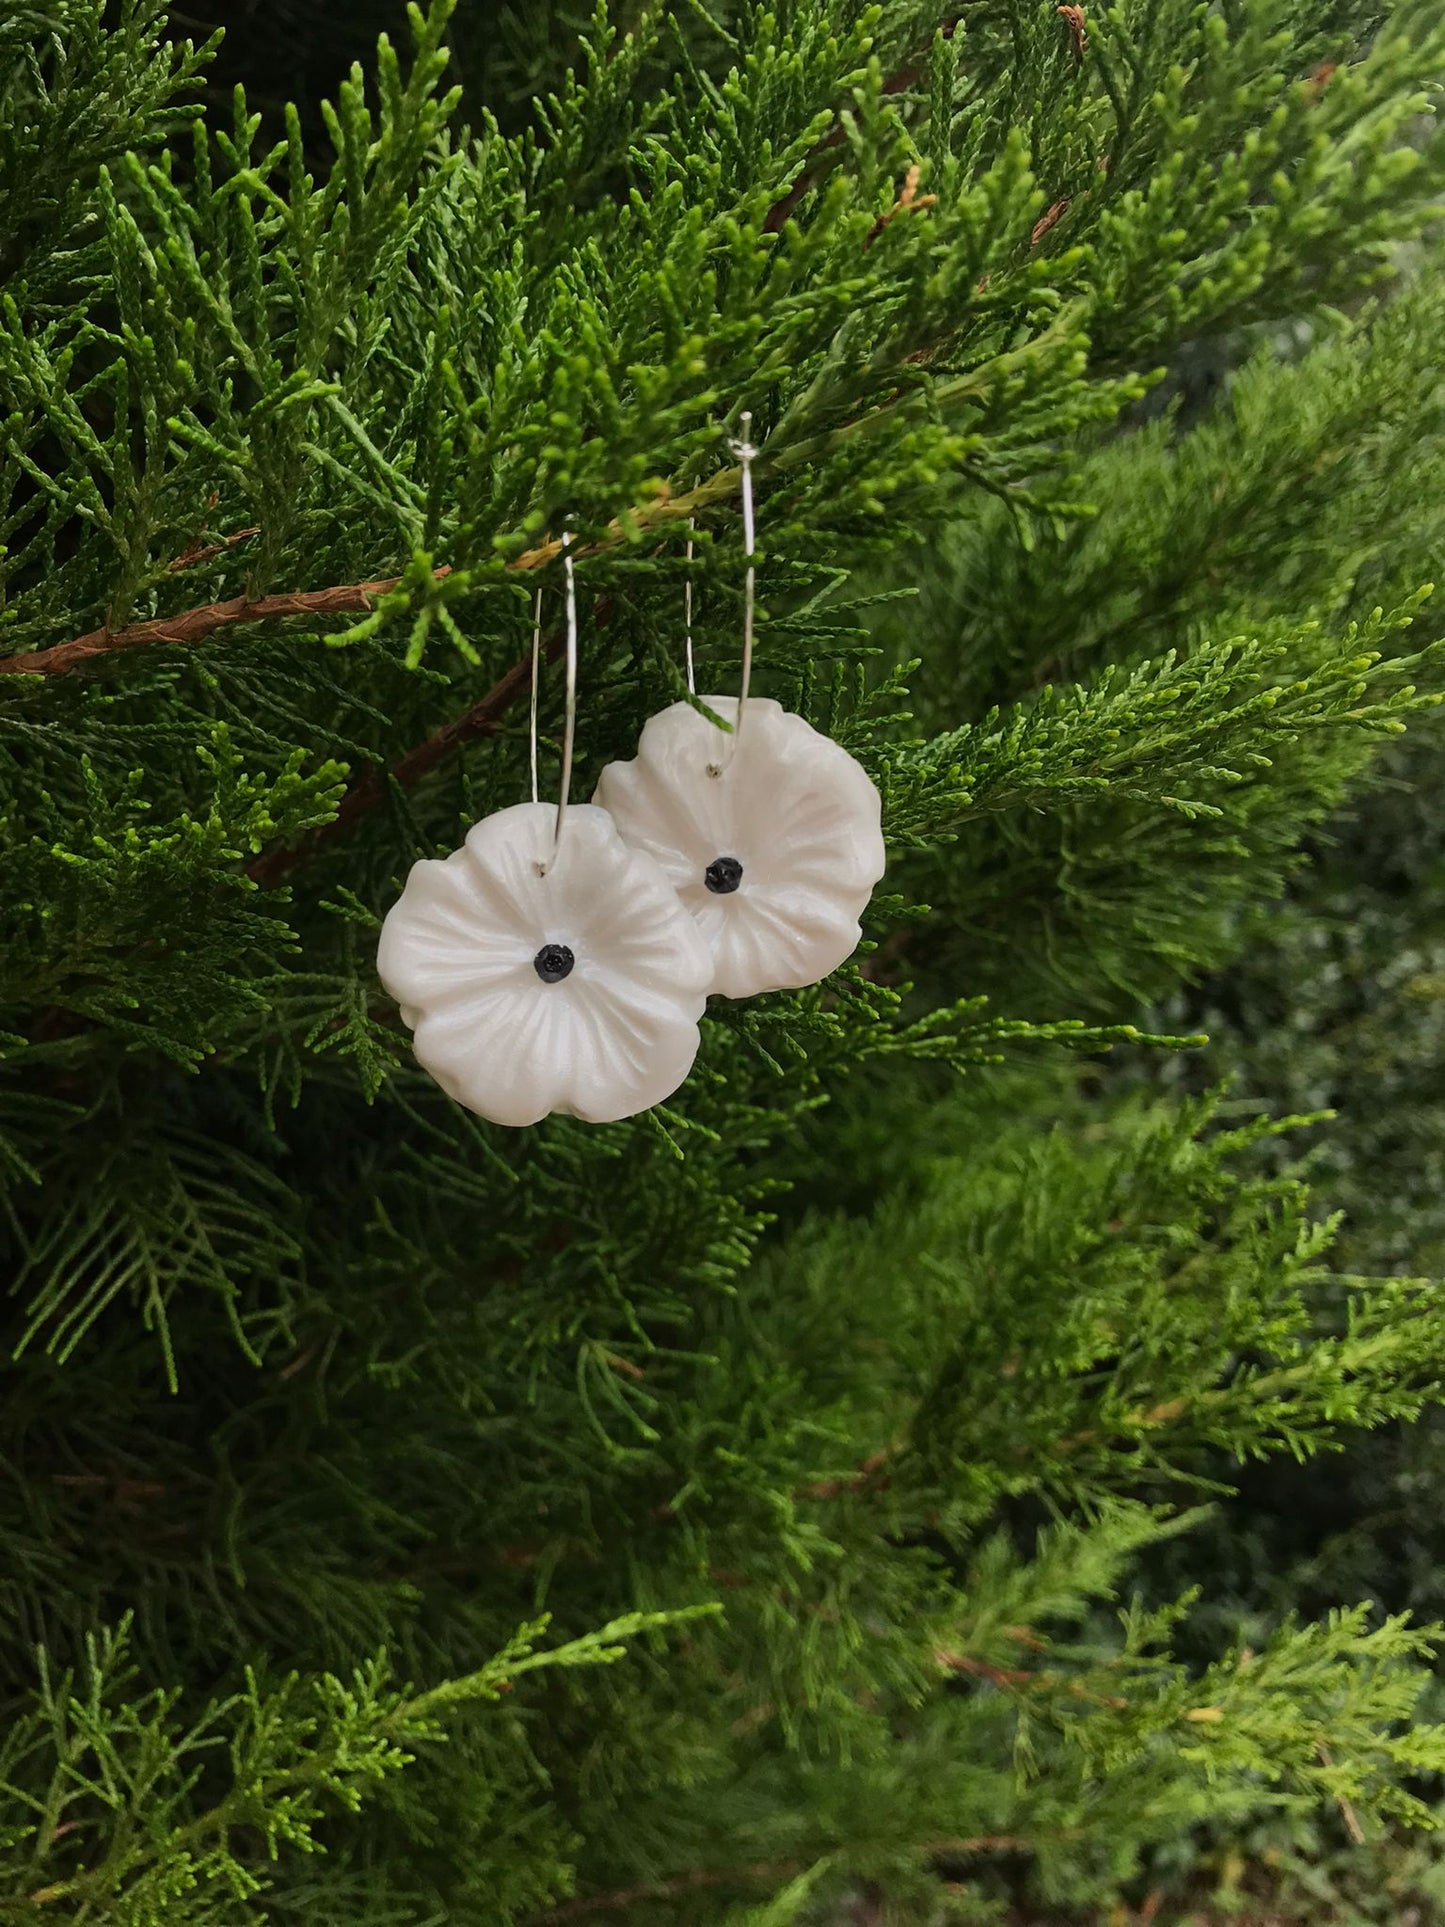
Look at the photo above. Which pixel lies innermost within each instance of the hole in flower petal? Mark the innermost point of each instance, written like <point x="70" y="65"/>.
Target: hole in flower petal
<point x="723" y="875"/>
<point x="553" y="962"/>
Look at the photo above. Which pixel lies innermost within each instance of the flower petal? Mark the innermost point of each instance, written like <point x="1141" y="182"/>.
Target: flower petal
<point x="504" y="1055"/>
<point x="792" y="807"/>
<point x="459" y="947"/>
<point x="447" y="937"/>
<point x="679" y="820"/>
<point x="631" y="1051"/>
<point x="781" y="939"/>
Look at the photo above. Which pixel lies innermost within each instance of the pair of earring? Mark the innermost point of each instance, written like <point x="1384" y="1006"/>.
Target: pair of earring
<point x="545" y="971"/>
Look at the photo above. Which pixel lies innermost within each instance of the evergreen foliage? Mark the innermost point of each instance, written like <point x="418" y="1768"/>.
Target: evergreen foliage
<point x="836" y="1404"/>
<point x="1336" y="1000"/>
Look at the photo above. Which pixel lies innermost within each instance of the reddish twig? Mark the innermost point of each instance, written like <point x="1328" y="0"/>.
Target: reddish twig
<point x="1079" y="39"/>
<point x="1320" y="79"/>
<point x="1041" y="227"/>
<point x="1347" y="1811"/>
<point x="869" y="1477"/>
<point x="1163" y="1414"/>
<point x="1019" y="1676"/>
<point x="124" y="1491"/>
<point x="353" y="598"/>
<point x="356" y="598"/>
<point x="195" y="555"/>
<point x="910" y="201"/>
<point x="952" y="1662"/>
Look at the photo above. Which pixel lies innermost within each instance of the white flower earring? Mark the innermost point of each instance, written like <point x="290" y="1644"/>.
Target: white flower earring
<point x="546" y="972"/>
<point x="770" y="834"/>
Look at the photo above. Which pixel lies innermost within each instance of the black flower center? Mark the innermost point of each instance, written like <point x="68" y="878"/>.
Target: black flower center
<point x="553" y="962"/>
<point x="723" y="875"/>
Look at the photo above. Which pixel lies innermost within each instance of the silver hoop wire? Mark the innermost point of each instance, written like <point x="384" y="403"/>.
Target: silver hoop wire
<point x="569" y="726"/>
<point x="536" y="677"/>
<point x="745" y="452"/>
<point x="687" y="606"/>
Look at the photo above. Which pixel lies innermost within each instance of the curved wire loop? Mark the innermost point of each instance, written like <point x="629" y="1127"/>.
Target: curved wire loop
<point x="687" y="606"/>
<point x="745" y="452"/>
<point x="569" y="725"/>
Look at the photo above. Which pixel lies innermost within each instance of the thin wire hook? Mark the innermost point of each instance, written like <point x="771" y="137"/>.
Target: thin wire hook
<point x="687" y="606"/>
<point x="745" y="453"/>
<point x="569" y="729"/>
<point x="536" y="677"/>
<point x="569" y="726"/>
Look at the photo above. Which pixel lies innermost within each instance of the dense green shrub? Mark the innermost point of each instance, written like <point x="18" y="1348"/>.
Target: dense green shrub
<point x="720" y="1515"/>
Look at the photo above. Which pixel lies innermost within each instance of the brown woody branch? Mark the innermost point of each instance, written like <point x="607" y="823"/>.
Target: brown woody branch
<point x="979" y="1843"/>
<point x="1078" y="31"/>
<point x="870" y="1476"/>
<point x="950" y="1661"/>
<point x="1048" y="220"/>
<point x="482" y="719"/>
<point x="353" y="598"/>
<point x="194" y="625"/>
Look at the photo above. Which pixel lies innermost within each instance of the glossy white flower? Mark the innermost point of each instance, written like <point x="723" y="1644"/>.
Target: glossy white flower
<point x="775" y="849"/>
<point x="537" y="984"/>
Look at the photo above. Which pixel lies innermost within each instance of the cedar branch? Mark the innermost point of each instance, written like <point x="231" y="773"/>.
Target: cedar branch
<point x="482" y="719"/>
<point x="352" y="598"/>
<point x="194" y="625"/>
<point x="782" y="210"/>
<point x="484" y="716"/>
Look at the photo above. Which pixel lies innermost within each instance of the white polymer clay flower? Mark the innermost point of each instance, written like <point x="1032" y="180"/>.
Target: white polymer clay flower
<point x="774" y="847"/>
<point x="537" y="983"/>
